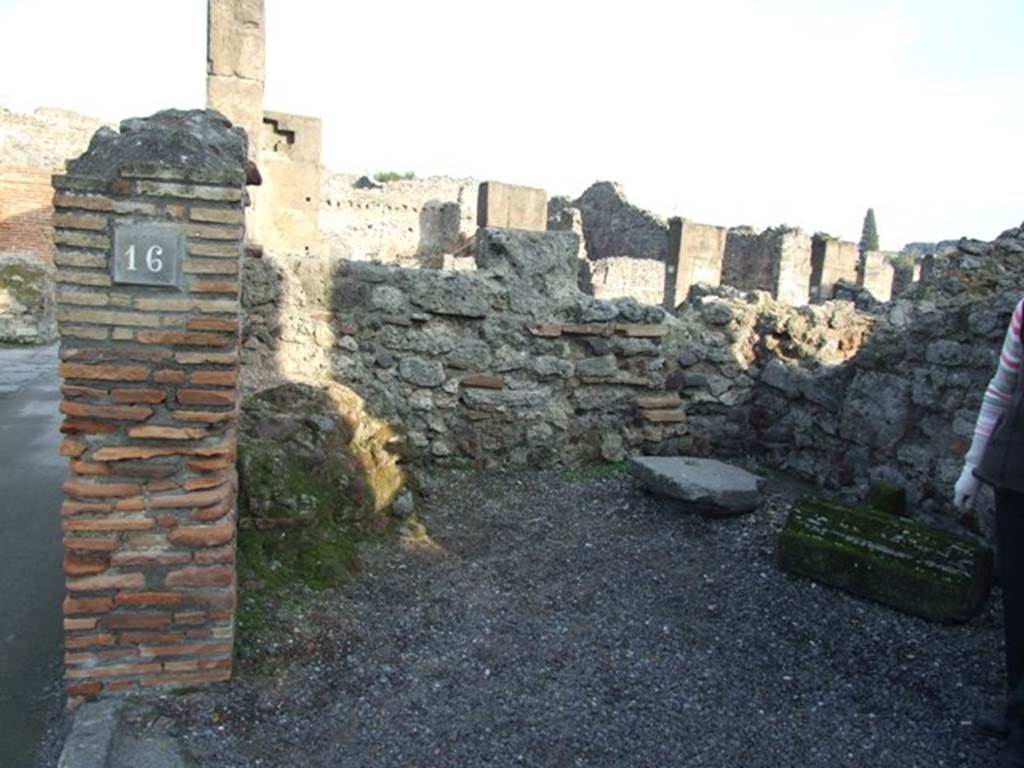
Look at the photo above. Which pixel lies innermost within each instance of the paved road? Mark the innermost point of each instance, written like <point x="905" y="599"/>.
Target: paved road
<point x="31" y="472"/>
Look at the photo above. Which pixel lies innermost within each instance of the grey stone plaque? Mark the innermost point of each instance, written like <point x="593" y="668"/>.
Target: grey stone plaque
<point x="149" y="254"/>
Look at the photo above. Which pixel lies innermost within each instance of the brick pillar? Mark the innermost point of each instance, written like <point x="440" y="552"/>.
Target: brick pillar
<point x="149" y="239"/>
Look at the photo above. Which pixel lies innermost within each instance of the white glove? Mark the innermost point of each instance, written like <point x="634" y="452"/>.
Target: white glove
<point x="966" y="489"/>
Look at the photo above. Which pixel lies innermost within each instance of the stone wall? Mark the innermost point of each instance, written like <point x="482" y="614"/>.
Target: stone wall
<point x="288" y="214"/>
<point x="44" y="138"/>
<point x="641" y="279"/>
<point x="26" y="211"/>
<point x="742" y="266"/>
<point x="27" y="313"/>
<point x="613" y="226"/>
<point x="695" y="253"/>
<point x="284" y="211"/>
<point x="511" y="207"/>
<point x="509" y="364"/>
<point x="877" y="274"/>
<point x="832" y="260"/>
<point x="901" y="411"/>
<point x="777" y="260"/>
<point x="32" y="148"/>
<point x="406" y="222"/>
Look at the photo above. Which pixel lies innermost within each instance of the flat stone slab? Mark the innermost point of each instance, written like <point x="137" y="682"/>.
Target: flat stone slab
<point x="711" y="487"/>
<point x="892" y="560"/>
<point x="92" y="734"/>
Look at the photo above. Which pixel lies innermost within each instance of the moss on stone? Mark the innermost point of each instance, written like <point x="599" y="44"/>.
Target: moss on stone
<point x="889" y="498"/>
<point x="895" y="561"/>
<point x="316" y="480"/>
<point x="307" y="540"/>
<point x="24" y="282"/>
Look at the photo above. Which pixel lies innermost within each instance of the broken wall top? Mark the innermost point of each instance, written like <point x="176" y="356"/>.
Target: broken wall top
<point x="198" y="145"/>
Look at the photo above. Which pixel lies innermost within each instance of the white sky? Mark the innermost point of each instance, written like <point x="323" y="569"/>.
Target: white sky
<point x="728" y="112"/>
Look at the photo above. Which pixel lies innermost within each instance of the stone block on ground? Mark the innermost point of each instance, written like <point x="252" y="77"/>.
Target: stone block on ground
<point x="92" y="734"/>
<point x="894" y="561"/>
<point x="710" y="487"/>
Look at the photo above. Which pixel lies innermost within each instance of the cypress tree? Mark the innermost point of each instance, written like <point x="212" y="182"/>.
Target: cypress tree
<point x="869" y="233"/>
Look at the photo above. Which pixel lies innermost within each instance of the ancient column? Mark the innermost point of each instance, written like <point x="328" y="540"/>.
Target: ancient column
<point x="236" y="64"/>
<point x="148" y="234"/>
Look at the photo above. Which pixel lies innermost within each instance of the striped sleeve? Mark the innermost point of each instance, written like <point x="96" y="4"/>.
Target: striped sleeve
<point x="1000" y="389"/>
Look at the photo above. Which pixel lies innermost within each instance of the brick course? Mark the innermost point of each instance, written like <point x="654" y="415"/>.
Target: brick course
<point x="149" y="514"/>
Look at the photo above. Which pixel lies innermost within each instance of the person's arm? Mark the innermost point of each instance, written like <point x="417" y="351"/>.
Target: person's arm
<point x="997" y="395"/>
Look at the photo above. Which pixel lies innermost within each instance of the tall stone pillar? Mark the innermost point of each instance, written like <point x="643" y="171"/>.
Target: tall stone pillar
<point x="236" y="65"/>
<point x="695" y="255"/>
<point x="148" y="236"/>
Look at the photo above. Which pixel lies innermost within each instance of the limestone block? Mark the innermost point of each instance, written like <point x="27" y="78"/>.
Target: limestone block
<point x="892" y="560"/>
<point x="240" y="101"/>
<point x="877" y="274"/>
<point x="235" y="39"/>
<point x="619" y="276"/>
<point x="832" y="260"/>
<point x="511" y="207"/>
<point x="286" y="214"/>
<point x="695" y="253"/>
<point x="705" y="485"/>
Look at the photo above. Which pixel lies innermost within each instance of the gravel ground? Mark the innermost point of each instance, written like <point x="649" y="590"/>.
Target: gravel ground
<point x="554" y="619"/>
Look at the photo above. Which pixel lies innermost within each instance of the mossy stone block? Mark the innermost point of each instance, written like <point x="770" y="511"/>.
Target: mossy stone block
<point x="895" y="561"/>
<point x="888" y="497"/>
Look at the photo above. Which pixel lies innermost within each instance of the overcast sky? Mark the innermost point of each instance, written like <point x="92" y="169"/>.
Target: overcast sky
<point x="727" y="112"/>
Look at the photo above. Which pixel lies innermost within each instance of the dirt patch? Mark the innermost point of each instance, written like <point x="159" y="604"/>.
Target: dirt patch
<point x="562" y="618"/>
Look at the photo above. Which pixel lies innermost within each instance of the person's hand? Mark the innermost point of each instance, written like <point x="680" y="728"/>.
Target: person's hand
<point x="966" y="489"/>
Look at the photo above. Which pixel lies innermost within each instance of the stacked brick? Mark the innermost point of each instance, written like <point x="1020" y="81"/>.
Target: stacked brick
<point x="149" y="402"/>
<point x="25" y="211"/>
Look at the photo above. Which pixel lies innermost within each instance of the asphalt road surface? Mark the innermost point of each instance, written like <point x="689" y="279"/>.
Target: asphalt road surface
<point x="31" y="472"/>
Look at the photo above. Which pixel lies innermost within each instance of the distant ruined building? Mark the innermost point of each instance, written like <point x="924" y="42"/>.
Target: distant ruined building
<point x="624" y="250"/>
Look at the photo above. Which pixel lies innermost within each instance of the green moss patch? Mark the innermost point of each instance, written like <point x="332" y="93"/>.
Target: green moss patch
<point x="892" y="560"/>
<point x="308" y="495"/>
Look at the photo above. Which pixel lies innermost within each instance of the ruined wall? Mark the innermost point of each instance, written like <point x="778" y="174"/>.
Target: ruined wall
<point x="791" y="270"/>
<point x="743" y="265"/>
<point x="27" y="313"/>
<point x="641" y="279"/>
<point x="903" y="409"/>
<point x="284" y="211"/>
<point x="26" y="211"/>
<point x="877" y="274"/>
<point x="832" y="260"/>
<point x="510" y="364"/>
<point x="777" y="260"/>
<point x="695" y="254"/>
<point x="397" y="221"/>
<point x="32" y="148"/>
<point x="288" y="215"/>
<point x="511" y="207"/>
<point x="613" y="226"/>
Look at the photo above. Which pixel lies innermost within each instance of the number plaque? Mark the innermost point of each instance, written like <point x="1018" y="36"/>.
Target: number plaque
<point x="149" y="254"/>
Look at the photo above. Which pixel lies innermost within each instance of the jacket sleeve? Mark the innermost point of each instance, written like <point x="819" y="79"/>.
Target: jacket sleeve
<point x="999" y="390"/>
